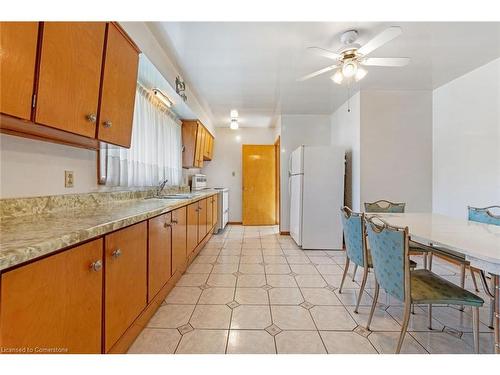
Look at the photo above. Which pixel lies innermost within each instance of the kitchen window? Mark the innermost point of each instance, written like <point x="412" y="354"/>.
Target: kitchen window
<point x="155" y="153"/>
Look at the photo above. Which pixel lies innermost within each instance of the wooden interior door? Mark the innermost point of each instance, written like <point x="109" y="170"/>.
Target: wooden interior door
<point x="202" y="219"/>
<point x="159" y="253"/>
<point x="179" y="238"/>
<point x="118" y="88"/>
<point x="126" y="279"/>
<point x="70" y="76"/>
<point x="192" y="227"/>
<point x="259" y="185"/>
<point x="55" y="302"/>
<point x="18" y="44"/>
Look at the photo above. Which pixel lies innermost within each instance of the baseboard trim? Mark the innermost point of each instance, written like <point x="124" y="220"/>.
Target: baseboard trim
<point x="235" y="222"/>
<point x="284" y="233"/>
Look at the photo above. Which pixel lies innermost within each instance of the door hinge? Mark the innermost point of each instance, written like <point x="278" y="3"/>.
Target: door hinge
<point x="33" y="101"/>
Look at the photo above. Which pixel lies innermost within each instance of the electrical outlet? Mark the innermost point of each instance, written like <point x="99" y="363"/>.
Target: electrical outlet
<point x="69" y="179"/>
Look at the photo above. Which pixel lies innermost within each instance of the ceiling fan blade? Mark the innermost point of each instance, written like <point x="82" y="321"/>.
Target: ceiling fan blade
<point x="324" y="52"/>
<point x="386" y="61"/>
<point x="317" y="73"/>
<point x="379" y="40"/>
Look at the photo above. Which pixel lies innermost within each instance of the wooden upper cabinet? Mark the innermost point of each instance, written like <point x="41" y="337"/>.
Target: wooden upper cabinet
<point x="70" y="76"/>
<point x="118" y="88"/>
<point x="160" y="253"/>
<point x="125" y="256"/>
<point x="18" y="46"/>
<point x="197" y="144"/>
<point x="179" y="233"/>
<point x="192" y="227"/>
<point x="55" y="302"/>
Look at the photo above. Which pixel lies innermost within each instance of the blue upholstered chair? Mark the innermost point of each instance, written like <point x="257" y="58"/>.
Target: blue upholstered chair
<point x="390" y="249"/>
<point x="485" y="215"/>
<point x="356" y="248"/>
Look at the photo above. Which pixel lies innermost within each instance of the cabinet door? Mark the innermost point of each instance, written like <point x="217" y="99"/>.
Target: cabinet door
<point x="211" y="148"/>
<point x="179" y="238"/>
<point x="192" y="227"/>
<point x="70" y="76"/>
<point x="54" y="302"/>
<point x="126" y="279"/>
<point x="18" y="43"/>
<point x="199" y="147"/>
<point x="202" y="219"/>
<point x="189" y="131"/>
<point x="118" y="88"/>
<point x="215" y="209"/>
<point x="160" y="253"/>
<point x="210" y="208"/>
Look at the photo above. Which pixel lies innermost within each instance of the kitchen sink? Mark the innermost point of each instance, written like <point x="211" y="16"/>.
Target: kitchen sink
<point x="174" y="196"/>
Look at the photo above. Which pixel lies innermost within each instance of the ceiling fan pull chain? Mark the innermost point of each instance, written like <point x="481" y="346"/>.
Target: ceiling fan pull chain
<point x="349" y="96"/>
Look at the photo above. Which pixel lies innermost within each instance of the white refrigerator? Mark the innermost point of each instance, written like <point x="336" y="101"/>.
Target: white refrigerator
<point x="316" y="186"/>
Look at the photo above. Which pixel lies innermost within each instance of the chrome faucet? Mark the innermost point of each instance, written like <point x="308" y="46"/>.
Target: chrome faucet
<point x="161" y="186"/>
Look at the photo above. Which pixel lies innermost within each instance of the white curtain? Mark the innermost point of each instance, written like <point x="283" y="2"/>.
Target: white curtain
<point x="155" y="153"/>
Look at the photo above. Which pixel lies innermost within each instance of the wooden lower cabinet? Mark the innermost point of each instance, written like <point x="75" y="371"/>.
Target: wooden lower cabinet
<point x="159" y="253"/>
<point x="210" y="214"/>
<point x="192" y="227"/>
<point x="125" y="279"/>
<point x="179" y="238"/>
<point x="202" y="219"/>
<point x="54" y="303"/>
<point x="215" y="209"/>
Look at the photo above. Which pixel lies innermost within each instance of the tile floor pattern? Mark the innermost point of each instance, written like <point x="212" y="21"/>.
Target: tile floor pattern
<point x="251" y="290"/>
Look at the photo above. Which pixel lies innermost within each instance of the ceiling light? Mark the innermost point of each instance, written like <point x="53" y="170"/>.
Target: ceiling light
<point x="234" y="124"/>
<point x="349" y="68"/>
<point x="234" y="114"/>
<point x="162" y="97"/>
<point x="338" y="77"/>
<point x="360" y="74"/>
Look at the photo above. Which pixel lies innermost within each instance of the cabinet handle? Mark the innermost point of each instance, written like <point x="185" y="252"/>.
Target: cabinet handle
<point x="96" y="266"/>
<point x="174" y="222"/>
<point x="117" y="253"/>
<point x="107" y="124"/>
<point x="91" y="117"/>
<point x="166" y="225"/>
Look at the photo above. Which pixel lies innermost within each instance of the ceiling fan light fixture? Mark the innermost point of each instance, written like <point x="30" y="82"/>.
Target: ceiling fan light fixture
<point x="234" y="114"/>
<point x="349" y="68"/>
<point x="338" y="77"/>
<point x="234" y="124"/>
<point x="360" y="74"/>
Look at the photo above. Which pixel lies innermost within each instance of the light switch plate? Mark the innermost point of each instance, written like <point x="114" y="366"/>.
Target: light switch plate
<point x="69" y="179"/>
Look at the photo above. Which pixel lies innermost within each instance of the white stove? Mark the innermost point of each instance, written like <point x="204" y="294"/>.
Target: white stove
<point x="199" y="183"/>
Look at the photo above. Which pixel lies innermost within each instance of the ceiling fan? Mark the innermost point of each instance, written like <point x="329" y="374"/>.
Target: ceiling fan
<point x="351" y="57"/>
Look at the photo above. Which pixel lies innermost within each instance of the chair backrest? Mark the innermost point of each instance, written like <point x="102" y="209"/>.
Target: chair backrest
<point x="385" y="206"/>
<point x="484" y="215"/>
<point x="389" y="251"/>
<point x="355" y="236"/>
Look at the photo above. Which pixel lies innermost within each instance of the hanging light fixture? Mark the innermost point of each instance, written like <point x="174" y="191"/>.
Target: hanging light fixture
<point x="234" y="124"/>
<point x="162" y="97"/>
<point x="338" y="77"/>
<point x="360" y="74"/>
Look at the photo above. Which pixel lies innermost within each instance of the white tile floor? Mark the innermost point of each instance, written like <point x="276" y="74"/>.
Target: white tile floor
<point x="251" y="290"/>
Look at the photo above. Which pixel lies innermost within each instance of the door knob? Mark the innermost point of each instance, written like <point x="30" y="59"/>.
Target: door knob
<point x="91" y="117"/>
<point x="96" y="266"/>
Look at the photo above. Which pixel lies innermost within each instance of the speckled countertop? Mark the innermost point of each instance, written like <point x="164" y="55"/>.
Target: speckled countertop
<point x="32" y="235"/>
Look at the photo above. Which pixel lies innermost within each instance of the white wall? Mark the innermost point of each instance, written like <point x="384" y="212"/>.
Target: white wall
<point x="297" y="130"/>
<point x="345" y="132"/>
<point x="466" y="142"/>
<point x="396" y="147"/>
<point x="227" y="161"/>
<point x="32" y="168"/>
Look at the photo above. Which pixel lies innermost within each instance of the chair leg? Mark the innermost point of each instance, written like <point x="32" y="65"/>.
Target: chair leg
<point x="429" y="316"/>
<point x="374" y="303"/>
<point x="473" y="279"/>
<point x="425" y="260"/>
<point x="361" y="290"/>
<point x="354" y="272"/>
<point x="404" y="327"/>
<point x="413" y="309"/>
<point x="492" y="304"/>
<point x="430" y="255"/>
<point x="346" y="268"/>
<point x="475" y="327"/>
<point x="462" y="281"/>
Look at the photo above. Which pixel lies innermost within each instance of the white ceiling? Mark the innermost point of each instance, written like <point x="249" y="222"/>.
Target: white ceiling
<point x="253" y="66"/>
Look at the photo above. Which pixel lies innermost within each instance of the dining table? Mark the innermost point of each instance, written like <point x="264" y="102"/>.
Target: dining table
<point x="477" y="243"/>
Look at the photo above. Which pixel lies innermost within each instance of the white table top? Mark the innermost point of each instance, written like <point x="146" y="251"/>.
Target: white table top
<point x="480" y="243"/>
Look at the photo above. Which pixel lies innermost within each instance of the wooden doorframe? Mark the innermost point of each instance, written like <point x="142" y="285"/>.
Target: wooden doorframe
<point x="277" y="159"/>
